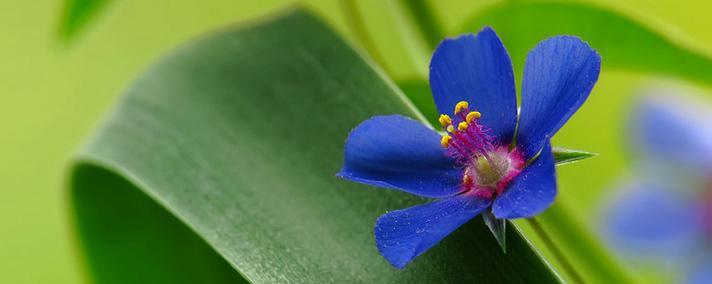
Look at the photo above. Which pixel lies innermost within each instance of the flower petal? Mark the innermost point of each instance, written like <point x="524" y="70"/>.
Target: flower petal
<point x="400" y="153"/>
<point x="532" y="191"/>
<point x="476" y="69"/>
<point x="701" y="273"/>
<point x="675" y="130"/>
<point x="558" y="77"/>
<point x="402" y="235"/>
<point x="651" y="221"/>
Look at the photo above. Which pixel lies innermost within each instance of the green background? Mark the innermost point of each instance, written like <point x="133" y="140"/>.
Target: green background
<point x="53" y="94"/>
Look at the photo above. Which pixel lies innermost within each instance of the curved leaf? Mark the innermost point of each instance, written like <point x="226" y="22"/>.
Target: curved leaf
<point x="132" y="239"/>
<point x="238" y="136"/>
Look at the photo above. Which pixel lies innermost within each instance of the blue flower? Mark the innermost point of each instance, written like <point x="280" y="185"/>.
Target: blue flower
<point x="665" y="213"/>
<point x="477" y="165"/>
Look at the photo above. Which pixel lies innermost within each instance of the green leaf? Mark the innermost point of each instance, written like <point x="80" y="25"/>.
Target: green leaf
<point x="238" y="137"/>
<point x="129" y="238"/>
<point x="566" y="156"/>
<point x="623" y="43"/>
<point x="77" y="14"/>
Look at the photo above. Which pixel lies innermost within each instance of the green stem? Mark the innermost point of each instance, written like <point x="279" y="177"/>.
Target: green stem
<point x="426" y="21"/>
<point x="558" y="254"/>
<point x="581" y="245"/>
<point x="354" y="19"/>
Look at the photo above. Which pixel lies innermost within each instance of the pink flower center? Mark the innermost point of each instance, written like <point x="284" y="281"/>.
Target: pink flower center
<point x="487" y="168"/>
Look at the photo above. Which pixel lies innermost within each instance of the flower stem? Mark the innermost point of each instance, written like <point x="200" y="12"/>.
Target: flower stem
<point x="354" y="19"/>
<point x="426" y="21"/>
<point x="565" y="264"/>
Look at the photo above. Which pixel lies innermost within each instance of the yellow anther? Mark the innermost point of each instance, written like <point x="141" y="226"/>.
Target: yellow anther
<point x="445" y="141"/>
<point x="472" y="116"/>
<point x="462" y="126"/>
<point x="450" y="128"/>
<point x="459" y="107"/>
<point x="444" y="120"/>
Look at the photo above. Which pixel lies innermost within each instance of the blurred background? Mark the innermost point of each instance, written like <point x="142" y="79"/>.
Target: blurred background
<point x="54" y="90"/>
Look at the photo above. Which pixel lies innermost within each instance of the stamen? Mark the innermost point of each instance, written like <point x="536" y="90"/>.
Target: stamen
<point x="487" y="167"/>
<point x="461" y="106"/>
<point x="472" y="116"/>
<point x="462" y="126"/>
<point x="445" y="141"/>
<point x="459" y="150"/>
<point x="445" y="120"/>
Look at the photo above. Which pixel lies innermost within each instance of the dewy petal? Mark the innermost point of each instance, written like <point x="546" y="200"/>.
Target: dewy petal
<point x="402" y="235"/>
<point x="558" y="77"/>
<point x="532" y="191"/>
<point x="674" y="130"/>
<point x="476" y="69"/>
<point x="653" y="221"/>
<point x="400" y="153"/>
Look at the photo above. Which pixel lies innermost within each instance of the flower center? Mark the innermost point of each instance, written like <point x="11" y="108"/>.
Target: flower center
<point x="487" y="168"/>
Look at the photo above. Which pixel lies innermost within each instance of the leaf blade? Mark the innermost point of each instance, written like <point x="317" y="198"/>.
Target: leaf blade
<point x="239" y="136"/>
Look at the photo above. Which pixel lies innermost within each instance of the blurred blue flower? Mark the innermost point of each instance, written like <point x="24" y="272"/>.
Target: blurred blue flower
<point x="665" y="213"/>
<point x="475" y="165"/>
